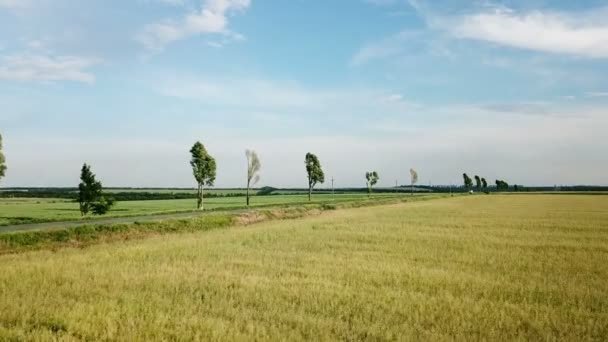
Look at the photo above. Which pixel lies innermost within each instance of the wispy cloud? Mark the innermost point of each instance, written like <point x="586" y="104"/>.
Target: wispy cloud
<point x="582" y="34"/>
<point x="14" y="4"/>
<point x="384" y="48"/>
<point x="212" y="18"/>
<point x="287" y="97"/>
<point x="597" y="94"/>
<point x="45" y="68"/>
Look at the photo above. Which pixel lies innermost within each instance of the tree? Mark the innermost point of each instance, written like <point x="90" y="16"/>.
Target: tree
<point x="314" y="171"/>
<point x="372" y="178"/>
<point x="501" y="185"/>
<point x="2" y="161"/>
<point x="102" y="206"/>
<point x="414" y="179"/>
<point x="468" y="183"/>
<point x="253" y="168"/>
<point x="90" y="194"/>
<point x="477" y="182"/>
<point x="203" y="168"/>
<point x="484" y="183"/>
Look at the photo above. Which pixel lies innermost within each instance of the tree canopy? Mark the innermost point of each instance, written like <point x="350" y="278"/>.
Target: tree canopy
<point x="203" y="168"/>
<point x="468" y="182"/>
<point x="314" y="171"/>
<point x="90" y="194"/>
<point x="501" y="185"/>
<point x="413" y="179"/>
<point x="372" y="179"/>
<point x="253" y="168"/>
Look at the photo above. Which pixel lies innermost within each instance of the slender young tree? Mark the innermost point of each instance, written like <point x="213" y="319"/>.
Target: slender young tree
<point x="414" y="180"/>
<point x="2" y="161"/>
<point x="203" y="168"/>
<point x="314" y="171"/>
<point x="253" y="169"/>
<point x="90" y="195"/>
<point x="502" y="185"/>
<point x="468" y="182"/>
<point x="372" y="178"/>
<point x="477" y="182"/>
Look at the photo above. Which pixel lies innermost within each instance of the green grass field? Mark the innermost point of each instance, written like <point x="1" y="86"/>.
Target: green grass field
<point x="178" y="191"/>
<point x="22" y="210"/>
<point x="465" y="268"/>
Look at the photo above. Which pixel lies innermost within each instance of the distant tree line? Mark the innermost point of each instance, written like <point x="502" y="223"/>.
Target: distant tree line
<point x="72" y="194"/>
<point x="482" y="185"/>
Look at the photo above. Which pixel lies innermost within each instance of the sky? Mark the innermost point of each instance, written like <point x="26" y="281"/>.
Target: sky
<point x="513" y="90"/>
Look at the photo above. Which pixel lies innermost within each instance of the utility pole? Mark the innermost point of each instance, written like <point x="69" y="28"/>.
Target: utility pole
<point x="333" y="195"/>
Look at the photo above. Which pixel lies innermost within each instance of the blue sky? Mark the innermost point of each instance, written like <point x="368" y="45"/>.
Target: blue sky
<point x="515" y="90"/>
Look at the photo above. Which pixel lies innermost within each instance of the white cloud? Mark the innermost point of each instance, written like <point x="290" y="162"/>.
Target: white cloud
<point x="43" y="68"/>
<point x="597" y="94"/>
<point x="13" y="4"/>
<point x="292" y="100"/>
<point x="578" y="34"/>
<point x="213" y="18"/>
<point x="387" y="47"/>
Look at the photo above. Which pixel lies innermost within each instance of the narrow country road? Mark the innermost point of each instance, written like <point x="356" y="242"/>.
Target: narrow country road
<point x="111" y="220"/>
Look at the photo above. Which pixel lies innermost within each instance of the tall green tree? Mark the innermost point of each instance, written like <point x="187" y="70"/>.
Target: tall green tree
<point x="501" y="185"/>
<point x="253" y="168"/>
<point x="314" y="171"/>
<point x="477" y="182"/>
<point x="90" y="194"/>
<point x="2" y="161"/>
<point x="203" y="168"/>
<point x="468" y="182"/>
<point x="414" y="179"/>
<point x="484" y="183"/>
<point x="372" y="179"/>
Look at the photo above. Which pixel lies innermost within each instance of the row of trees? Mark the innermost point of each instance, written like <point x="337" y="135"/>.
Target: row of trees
<point x="92" y="200"/>
<point x="481" y="183"/>
<point x="204" y="170"/>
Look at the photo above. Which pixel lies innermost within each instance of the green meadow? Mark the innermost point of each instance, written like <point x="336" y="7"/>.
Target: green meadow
<point x="26" y="210"/>
<point x="482" y="267"/>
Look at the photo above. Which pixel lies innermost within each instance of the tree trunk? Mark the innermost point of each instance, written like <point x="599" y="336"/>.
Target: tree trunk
<point x="309" y="192"/>
<point x="412" y="189"/>
<point x="248" y="183"/>
<point x="202" y="197"/>
<point x="199" y="197"/>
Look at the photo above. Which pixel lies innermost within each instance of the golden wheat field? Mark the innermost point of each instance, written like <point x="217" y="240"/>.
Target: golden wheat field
<point x="497" y="267"/>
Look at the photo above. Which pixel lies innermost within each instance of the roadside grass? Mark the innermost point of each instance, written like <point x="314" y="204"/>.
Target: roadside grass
<point x="22" y="211"/>
<point x="89" y="234"/>
<point x="468" y="268"/>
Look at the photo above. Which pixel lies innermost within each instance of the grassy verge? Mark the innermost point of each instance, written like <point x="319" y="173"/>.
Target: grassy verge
<point x="31" y="211"/>
<point x="86" y="235"/>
